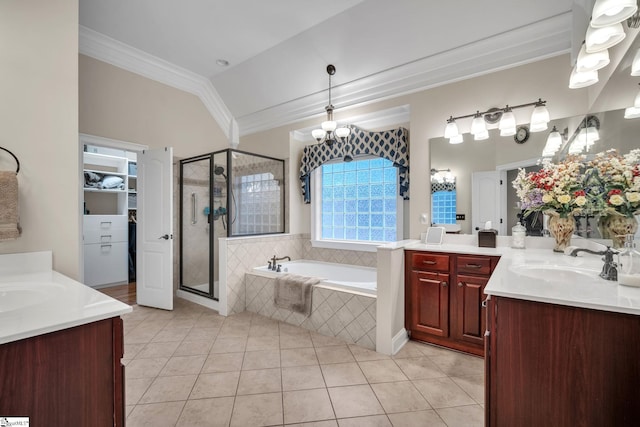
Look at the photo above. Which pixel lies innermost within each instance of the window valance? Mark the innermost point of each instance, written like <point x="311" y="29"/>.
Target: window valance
<point x="391" y="144"/>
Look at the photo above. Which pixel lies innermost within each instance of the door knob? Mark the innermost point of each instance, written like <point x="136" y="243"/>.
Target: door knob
<point x="165" y="237"/>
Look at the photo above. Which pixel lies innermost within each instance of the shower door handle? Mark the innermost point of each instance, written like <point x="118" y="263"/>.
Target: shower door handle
<point x="194" y="207"/>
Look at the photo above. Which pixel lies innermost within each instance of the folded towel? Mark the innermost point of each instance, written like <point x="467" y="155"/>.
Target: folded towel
<point x="294" y="292"/>
<point x="8" y="205"/>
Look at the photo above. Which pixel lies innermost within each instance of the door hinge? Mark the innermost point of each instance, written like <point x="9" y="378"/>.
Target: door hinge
<point x="500" y="220"/>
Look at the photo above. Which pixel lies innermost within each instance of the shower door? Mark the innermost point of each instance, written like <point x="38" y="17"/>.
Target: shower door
<point x="196" y="239"/>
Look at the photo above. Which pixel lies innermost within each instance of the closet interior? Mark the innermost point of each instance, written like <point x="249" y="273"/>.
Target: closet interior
<point x="109" y="220"/>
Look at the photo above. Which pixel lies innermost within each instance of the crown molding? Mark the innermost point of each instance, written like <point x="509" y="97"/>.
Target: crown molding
<point x="537" y="41"/>
<point x="111" y="51"/>
<point x="534" y="42"/>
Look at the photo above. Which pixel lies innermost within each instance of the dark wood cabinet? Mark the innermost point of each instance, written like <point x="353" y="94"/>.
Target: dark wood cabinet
<point x="72" y="377"/>
<point x="444" y="295"/>
<point x="549" y="364"/>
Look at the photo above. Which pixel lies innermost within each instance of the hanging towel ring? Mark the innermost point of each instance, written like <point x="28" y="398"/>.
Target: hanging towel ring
<point x="14" y="156"/>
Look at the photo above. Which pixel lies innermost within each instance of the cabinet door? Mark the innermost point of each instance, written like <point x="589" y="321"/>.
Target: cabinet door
<point x="470" y="322"/>
<point x="430" y="303"/>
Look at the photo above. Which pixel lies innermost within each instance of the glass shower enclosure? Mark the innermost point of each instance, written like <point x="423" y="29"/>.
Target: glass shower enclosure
<point x="227" y="193"/>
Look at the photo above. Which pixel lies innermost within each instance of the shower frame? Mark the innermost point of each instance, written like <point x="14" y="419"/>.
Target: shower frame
<point x="229" y="229"/>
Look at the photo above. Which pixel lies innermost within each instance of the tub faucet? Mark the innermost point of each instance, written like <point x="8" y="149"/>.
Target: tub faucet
<point x="273" y="264"/>
<point x="609" y="269"/>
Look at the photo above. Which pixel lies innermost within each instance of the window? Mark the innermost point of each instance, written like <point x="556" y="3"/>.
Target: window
<point x="443" y="207"/>
<point x="259" y="196"/>
<point x="357" y="201"/>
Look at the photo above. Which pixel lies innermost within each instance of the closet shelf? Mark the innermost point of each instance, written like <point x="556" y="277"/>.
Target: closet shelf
<point x="102" y="172"/>
<point x="103" y="190"/>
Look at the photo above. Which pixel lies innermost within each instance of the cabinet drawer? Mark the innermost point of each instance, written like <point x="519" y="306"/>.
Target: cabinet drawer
<point x="104" y="222"/>
<point x="106" y="236"/>
<point x="106" y="263"/>
<point x="474" y="265"/>
<point x="430" y="262"/>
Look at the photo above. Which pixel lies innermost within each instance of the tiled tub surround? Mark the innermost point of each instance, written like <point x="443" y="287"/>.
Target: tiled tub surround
<point x="241" y="255"/>
<point x="345" y="315"/>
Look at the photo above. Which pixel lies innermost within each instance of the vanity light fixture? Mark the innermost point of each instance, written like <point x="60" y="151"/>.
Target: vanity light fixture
<point x="591" y="61"/>
<point x="330" y="131"/>
<point x="442" y="176"/>
<point x="607" y="12"/>
<point x="554" y="142"/>
<point x="602" y="38"/>
<point x="585" y="135"/>
<point x="633" y="112"/>
<point x="580" y="79"/>
<point x="504" y="117"/>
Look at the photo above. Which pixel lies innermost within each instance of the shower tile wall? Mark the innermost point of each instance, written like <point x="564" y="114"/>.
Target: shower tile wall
<point x="243" y="254"/>
<point x="196" y="236"/>
<point x="344" y="315"/>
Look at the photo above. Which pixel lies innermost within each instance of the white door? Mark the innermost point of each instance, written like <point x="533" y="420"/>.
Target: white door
<point x="486" y="200"/>
<point x="154" y="246"/>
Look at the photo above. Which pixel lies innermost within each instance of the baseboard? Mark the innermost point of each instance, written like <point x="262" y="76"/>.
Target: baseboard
<point x="206" y="302"/>
<point x="399" y="340"/>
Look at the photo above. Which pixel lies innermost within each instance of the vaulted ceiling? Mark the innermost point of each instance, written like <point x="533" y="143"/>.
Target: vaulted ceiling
<point x="278" y="49"/>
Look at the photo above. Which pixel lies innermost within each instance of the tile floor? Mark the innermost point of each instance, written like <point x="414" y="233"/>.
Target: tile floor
<point x="192" y="367"/>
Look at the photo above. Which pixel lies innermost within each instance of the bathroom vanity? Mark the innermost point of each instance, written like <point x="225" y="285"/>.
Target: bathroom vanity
<point x="561" y="344"/>
<point x="61" y="345"/>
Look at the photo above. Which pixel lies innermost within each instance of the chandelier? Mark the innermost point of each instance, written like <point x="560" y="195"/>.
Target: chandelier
<point x="330" y="131"/>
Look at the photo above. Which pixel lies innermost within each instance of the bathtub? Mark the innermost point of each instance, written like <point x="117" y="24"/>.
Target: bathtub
<point x="345" y="277"/>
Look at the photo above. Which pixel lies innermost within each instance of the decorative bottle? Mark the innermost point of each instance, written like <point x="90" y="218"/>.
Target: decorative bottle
<point x="629" y="263"/>
<point x="518" y="233"/>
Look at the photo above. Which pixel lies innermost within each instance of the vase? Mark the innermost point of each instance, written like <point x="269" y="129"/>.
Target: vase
<point x="616" y="227"/>
<point x="561" y="228"/>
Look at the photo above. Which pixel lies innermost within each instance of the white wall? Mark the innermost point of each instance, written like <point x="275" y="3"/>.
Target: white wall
<point x="39" y="124"/>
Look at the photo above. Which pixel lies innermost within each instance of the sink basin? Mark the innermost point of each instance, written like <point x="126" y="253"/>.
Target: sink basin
<point x="555" y="273"/>
<point x="18" y="295"/>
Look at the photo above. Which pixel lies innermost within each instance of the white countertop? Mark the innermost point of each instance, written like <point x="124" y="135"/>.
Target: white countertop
<point x="546" y="276"/>
<point x="36" y="300"/>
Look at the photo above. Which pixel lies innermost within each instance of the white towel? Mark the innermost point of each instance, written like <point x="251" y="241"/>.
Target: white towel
<point x="9" y="228"/>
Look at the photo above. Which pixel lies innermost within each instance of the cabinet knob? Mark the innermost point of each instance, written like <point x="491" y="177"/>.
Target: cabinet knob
<point x="444" y="284"/>
<point x="460" y="284"/>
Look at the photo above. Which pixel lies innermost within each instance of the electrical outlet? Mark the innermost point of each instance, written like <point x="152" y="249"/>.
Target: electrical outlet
<point x="459" y="217"/>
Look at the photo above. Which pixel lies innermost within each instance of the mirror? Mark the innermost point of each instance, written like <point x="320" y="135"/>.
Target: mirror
<point x="476" y="156"/>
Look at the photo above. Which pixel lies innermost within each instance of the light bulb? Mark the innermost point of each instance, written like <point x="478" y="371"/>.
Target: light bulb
<point x="456" y="139"/>
<point x="508" y="121"/>
<point x="318" y="134"/>
<point x="538" y="127"/>
<point x="591" y="61"/>
<point x="343" y="132"/>
<point x="540" y="114"/>
<point x="579" y="80"/>
<point x="508" y="131"/>
<point x="598" y="39"/>
<point x="631" y="113"/>
<point x="478" y="125"/>
<point x="451" y="129"/>
<point x="481" y="136"/>
<point x="607" y="12"/>
<point x="329" y="126"/>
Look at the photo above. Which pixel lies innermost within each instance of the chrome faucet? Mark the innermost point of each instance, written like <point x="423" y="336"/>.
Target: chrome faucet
<point x="609" y="269"/>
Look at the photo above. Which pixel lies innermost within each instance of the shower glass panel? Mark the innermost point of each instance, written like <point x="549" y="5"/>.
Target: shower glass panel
<point x="195" y="239"/>
<point x="224" y="194"/>
<point x="256" y="195"/>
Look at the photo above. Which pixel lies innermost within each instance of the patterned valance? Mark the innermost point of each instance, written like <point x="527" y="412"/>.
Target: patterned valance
<point x="392" y="145"/>
<point x="443" y="186"/>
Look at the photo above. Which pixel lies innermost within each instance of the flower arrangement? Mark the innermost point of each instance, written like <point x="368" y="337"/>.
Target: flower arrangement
<point x="613" y="183"/>
<point x="555" y="189"/>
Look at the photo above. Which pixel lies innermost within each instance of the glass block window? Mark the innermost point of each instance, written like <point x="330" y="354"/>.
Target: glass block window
<point x="259" y="196"/>
<point x="359" y="201"/>
<point x="443" y="207"/>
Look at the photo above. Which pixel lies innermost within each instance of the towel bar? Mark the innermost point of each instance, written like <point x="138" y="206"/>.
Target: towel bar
<point x="15" y="158"/>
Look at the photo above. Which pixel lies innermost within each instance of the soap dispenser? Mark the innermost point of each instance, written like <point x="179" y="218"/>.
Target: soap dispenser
<point x="629" y="263"/>
<point x="518" y="233"/>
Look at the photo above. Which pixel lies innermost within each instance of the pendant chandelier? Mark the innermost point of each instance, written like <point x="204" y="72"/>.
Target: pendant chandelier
<point x="330" y="131"/>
